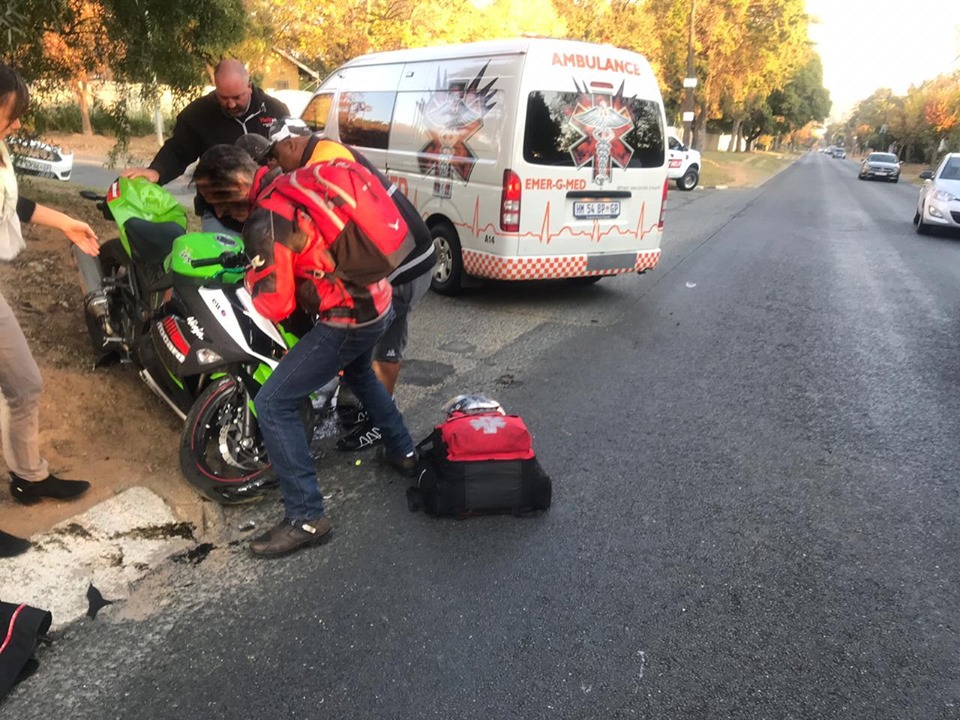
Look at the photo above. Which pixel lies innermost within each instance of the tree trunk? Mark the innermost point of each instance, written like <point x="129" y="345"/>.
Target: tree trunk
<point x="158" y="123"/>
<point x="735" y="136"/>
<point x="700" y="132"/>
<point x="83" y="87"/>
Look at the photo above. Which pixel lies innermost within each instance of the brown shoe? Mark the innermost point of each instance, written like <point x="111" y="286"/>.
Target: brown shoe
<point x="403" y="464"/>
<point x="290" y="535"/>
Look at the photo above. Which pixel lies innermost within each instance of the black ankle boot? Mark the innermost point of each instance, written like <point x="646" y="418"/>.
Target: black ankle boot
<point x="29" y="493"/>
<point x="11" y="545"/>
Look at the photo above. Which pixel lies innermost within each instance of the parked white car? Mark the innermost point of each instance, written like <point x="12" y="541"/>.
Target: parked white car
<point x="939" y="201"/>
<point x="35" y="157"/>
<point x="683" y="164"/>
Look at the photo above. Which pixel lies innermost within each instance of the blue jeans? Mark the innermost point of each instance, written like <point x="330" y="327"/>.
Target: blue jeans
<point x="310" y="364"/>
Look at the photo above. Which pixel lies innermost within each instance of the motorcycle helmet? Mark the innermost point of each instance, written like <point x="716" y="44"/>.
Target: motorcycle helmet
<point x="472" y="405"/>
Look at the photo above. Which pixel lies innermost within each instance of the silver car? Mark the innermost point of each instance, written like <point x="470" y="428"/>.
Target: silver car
<point x="880" y="166"/>
<point x="939" y="201"/>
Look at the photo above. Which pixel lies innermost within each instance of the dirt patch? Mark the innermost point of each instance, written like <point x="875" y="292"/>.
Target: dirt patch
<point x="100" y="425"/>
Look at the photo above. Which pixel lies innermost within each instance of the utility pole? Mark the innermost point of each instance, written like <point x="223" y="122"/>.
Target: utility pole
<point x="689" y="82"/>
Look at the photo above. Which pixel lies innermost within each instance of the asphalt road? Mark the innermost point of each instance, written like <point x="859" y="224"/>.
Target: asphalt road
<point x="754" y="456"/>
<point x="90" y="172"/>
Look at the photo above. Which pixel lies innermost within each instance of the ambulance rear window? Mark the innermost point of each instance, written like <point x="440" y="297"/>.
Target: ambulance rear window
<point x="566" y="129"/>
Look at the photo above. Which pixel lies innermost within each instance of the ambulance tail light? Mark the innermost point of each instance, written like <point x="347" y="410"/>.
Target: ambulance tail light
<point x="510" y="202"/>
<point x="663" y="204"/>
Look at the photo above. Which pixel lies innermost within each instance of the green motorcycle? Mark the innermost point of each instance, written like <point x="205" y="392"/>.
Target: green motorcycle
<point x="173" y="305"/>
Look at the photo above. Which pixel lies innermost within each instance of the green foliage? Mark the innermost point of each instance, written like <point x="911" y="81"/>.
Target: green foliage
<point x="22" y="24"/>
<point x="171" y="41"/>
<point x="56" y="118"/>
<point x="65" y="118"/>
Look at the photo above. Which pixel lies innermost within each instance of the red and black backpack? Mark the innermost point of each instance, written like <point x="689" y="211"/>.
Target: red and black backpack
<point x="479" y="463"/>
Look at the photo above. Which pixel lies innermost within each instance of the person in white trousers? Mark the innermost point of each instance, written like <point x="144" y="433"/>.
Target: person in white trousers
<point x="20" y="381"/>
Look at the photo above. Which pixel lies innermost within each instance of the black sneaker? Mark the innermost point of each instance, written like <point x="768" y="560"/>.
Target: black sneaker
<point x="406" y="465"/>
<point x="29" y="493"/>
<point x="351" y="415"/>
<point x="362" y="437"/>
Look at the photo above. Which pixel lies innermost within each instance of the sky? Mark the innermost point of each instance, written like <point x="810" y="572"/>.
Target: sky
<point x="866" y="45"/>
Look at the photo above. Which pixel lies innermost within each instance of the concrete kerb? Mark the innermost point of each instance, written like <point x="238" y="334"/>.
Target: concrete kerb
<point x="110" y="546"/>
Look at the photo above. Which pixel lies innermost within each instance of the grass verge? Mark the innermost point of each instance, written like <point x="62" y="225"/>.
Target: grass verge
<point x="742" y="169"/>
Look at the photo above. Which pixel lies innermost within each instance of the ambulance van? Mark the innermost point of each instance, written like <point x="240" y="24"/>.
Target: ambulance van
<point x="529" y="159"/>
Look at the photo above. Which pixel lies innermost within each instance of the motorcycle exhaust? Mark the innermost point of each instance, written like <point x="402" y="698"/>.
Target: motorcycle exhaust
<point x="152" y="384"/>
<point x="95" y="302"/>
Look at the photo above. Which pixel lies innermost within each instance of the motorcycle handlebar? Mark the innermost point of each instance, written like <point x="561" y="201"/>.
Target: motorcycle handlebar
<point x="227" y="260"/>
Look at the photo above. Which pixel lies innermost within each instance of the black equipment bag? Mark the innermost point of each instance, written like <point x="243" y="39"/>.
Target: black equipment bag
<point x="21" y="628"/>
<point x="477" y="464"/>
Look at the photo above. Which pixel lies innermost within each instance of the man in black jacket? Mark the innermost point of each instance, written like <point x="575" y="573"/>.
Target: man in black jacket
<point x="235" y="108"/>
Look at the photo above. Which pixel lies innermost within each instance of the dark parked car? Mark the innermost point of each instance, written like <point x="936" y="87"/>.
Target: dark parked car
<point x="882" y="166"/>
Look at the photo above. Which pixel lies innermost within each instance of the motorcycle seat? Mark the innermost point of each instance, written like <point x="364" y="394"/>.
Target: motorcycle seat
<point x="151" y="242"/>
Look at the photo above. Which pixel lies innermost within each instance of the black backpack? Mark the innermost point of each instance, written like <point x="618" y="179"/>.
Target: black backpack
<point x="21" y="628"/>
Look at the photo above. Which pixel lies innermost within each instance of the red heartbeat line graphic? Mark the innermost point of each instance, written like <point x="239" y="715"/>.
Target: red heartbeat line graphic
<point x="546" y="236"/>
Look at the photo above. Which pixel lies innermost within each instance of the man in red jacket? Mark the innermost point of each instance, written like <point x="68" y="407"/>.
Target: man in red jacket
<point x="292" y="266"/>
<point x="294" y="145"/>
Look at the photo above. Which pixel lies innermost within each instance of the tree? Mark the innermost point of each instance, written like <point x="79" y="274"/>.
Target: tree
<point x="744" y="50"/>
<point x="171" y="41"/>
<point x="149" y="42"/>
<point x="76" y="49"/>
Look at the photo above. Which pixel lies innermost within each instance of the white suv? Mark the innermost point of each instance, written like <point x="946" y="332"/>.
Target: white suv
<point x="683" y="164"/>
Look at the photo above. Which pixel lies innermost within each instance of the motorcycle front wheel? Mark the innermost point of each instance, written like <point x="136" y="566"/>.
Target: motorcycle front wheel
<point x="221" y="460"/>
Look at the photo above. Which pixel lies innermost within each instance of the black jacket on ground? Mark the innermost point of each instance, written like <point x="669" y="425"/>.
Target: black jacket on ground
<point x="202" y="124"/>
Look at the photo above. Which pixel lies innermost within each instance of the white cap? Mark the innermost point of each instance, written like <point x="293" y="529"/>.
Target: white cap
<point x="288" y="127"/>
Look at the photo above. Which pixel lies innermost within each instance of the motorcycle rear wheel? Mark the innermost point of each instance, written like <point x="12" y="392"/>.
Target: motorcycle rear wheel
<point x="215" y="456"/>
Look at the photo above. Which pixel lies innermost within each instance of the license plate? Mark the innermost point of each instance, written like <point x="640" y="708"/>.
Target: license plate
<point x="593" y="210"/>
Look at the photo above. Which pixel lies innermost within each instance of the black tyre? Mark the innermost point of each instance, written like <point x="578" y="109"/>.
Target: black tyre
<point x="216" y="457"/>
<point x="896" y="179"/>
<point x="922" y="227"/>
<point x="448" y="272"/>
<point x="689" y="180"/>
